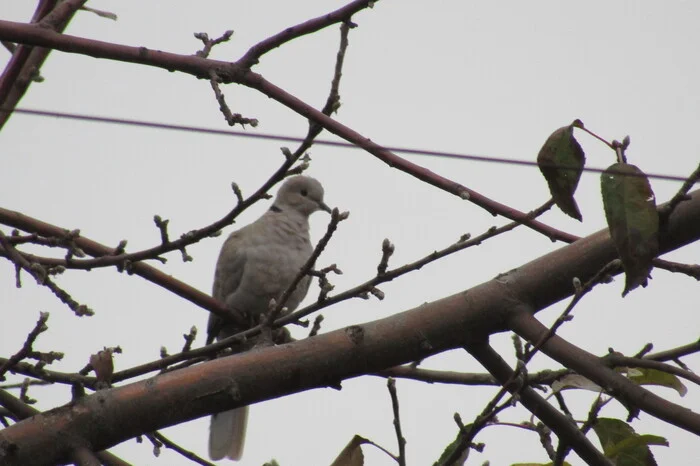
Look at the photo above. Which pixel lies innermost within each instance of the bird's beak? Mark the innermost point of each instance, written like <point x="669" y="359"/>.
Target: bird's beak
<point x="324" y="207"/>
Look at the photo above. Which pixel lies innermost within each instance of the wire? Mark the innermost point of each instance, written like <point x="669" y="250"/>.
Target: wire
<point x="276" y="137"/>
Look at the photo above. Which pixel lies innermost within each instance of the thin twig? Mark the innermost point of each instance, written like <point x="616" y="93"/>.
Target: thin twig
<point x="307" y="27"/>
<point x="39" y="327"/>
<point x="231" y="118"/>
<point x="163" y="440"/>
<point x="618" y="360"/>
<point x="209" y="44"/>
<point x="564" y="448"/>
<point x="369" y="286"/>
<point x="189" y="339"/>
<point x="492" y="408"/>
<point x="336" y="218"/>
<point x="391" y="385"/>
<point x="675" y="353"/>
<point x="545" y="377"/>
<point x="692" y="270"/>
<point x="680" y="196"/>
<point x="40" y="274"/>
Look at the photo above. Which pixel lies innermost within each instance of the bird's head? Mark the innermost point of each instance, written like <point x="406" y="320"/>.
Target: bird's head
<point x="302" y="194"/>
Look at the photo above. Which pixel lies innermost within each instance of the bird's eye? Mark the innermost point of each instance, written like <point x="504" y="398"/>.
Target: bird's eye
<point x="304" y="192"/>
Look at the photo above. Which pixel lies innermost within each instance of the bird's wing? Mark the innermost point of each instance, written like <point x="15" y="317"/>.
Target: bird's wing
<point x="229" y="273"/>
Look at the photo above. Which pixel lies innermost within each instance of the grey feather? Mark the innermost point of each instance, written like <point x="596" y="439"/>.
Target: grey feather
<point x="256" y="264"/>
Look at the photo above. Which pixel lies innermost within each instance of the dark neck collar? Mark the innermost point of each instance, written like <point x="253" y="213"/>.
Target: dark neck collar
<point x="274" y="208"/>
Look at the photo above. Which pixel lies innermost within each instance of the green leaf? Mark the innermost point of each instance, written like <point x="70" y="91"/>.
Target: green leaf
<point x="450" y="448"/>
<point x="635" y="442"/>
<point x="645" y="376"/>
<point x="540" y="464"/>
<point x="561" y="162"/>
<point x="630" y="209"/>
<point x="623" y="445"/>
<point x="575" y="381"/>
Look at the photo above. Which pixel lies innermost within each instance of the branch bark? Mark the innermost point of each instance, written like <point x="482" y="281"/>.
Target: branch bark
<point x="325" y="360"/>
<point x="239" y="72"/>
<point x="26" y="61"/>
<point x="632" y="395"/>
<point x="565" y="428"/>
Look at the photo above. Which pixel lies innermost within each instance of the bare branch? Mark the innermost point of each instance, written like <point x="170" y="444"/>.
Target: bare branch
<point x="391" y="385"/>
<point x="692" y="270"/>
<point x="675" y="353"/>
<point x="680" y="196"/>
<point x="231" y="118"/>
<point x="617" y="360"/>
<point x="93" y="248"/>
<point x="27" y="346"/>
<point x="336" y="218"/>
<point x="316" y="327"/>
<point x="630" y="394"/>
<point x="341" y="15"/>
<point x="177" y="448"/>
<point x="559" y="423"/>
<point x="545" y="377"/>
<point x="189" y="339"/>
<point x="209" y="44"/>
<point x="238" y="73"/>
<point x="23" y="68"/>
<point x="83" y="456"/>
<point x="564" y="448"/>
<point x="389" y="275"/>
<point x="41" y="275"/>
<point x="197" y="390"/>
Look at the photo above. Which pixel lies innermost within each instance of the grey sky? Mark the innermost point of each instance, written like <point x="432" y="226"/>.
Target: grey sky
<point x="488" y="78"/>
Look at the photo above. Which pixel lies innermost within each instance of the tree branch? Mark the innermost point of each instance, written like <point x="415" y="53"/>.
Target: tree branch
<point x="343" y="14"/>
<point x="564" y="427"/>
<point x="675" y="353"/>
<point x="632" y="395"/>
<point x="239" y="73"/>
<point x="25" y="63"/>
<point x="324" y="360"/>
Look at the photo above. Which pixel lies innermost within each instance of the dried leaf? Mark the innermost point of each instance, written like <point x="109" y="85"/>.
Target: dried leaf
<point x="561" y="161"/>
<point x="352" y="453"/>
<point x="103" y="365"/>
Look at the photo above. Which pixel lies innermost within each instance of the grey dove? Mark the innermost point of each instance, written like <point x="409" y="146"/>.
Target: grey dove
<point x="256" y="264"/>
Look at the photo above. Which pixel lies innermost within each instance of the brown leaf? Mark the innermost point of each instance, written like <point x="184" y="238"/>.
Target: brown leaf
<point x="103" y="365"/>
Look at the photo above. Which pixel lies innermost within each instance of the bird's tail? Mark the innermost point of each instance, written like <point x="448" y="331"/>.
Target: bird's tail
<point x="227" y="434"/>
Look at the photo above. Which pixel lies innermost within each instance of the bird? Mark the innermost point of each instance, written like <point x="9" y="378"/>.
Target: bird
<point x="256" y="265"/>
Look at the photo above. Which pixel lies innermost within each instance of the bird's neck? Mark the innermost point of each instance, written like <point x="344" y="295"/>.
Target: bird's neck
<point x="290" y="220"/>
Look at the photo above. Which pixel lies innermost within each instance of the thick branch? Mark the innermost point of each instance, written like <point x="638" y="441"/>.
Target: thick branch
<point x="590" y="366"/>
<point x="324" y="360"/>
<point x="23" y="411"/>
<point x="23" y="68"/>
<point x="564" y="427"/>
<point x="93" y="248"/>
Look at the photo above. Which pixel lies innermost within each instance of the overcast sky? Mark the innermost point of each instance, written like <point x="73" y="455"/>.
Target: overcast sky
<point x="487" y="78"/>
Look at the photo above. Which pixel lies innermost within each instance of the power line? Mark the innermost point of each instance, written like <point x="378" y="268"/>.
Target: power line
<point x="277" y="137"/>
